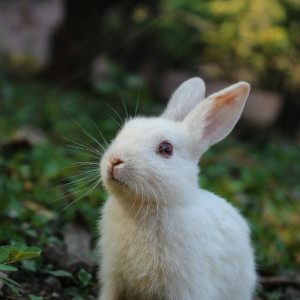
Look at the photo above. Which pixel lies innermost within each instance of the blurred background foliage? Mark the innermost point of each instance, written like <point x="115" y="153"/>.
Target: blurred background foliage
<point x="240" y="38"/>
<point x="97" y="53"/>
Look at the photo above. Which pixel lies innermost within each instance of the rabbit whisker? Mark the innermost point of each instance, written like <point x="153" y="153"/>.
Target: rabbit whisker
<point x="84" y="146"/>
<point x="118" y="115"/>
<point x="147" y="208"/>
<point x="80" y="175"/>
<point x="127" y="116"/>
<point x="89" y="135"/>
<point x="141" y="203"/>
<point x="84" y="179"/>
<point x="91" y="188"/>
<point x="160" y="184"/>
<point x="75" y="189"/>
<point x="101" y="134"/>
<point x="138" y="99"/>
<point x="86" y="151"/>
<point x="85" y="163"/>
<point x="157" y="203"/>
<point x="134" y="199"/>
<point x="114" y="120"/>
<point x="157" y="199"/>
<point x="85" y="170"/>
<point x="88" y="155"/>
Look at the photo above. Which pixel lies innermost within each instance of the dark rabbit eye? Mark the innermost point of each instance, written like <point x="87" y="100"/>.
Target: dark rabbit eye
<point x="165" y="149"/>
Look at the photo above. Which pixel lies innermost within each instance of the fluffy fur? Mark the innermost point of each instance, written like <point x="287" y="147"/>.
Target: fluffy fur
<point x="163" y="238"/>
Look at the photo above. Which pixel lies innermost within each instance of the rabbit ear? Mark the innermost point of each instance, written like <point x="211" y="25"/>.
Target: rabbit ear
<point x="184" y="99"/>
<point x="214" y="118"/>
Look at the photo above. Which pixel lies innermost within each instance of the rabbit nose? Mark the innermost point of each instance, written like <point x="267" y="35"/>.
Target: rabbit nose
<point x="113" y="163"/>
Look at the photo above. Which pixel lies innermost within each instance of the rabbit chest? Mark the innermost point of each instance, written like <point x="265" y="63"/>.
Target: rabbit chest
<point x="148" y="258"/>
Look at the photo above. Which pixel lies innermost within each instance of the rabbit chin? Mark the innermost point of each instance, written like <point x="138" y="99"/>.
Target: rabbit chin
<point x="123" y="187"/>
<point x="120" y="185"/>
<point x="114" y="184"/>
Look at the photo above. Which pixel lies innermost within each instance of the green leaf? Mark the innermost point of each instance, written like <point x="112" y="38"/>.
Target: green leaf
<point x="84" y="277"/>
<point x="60" y="273"/>
<point x="27" y="255"/>
<point x="32" y="297"/>
<point x="31" y="233"/>
<point x="72" y="291"/>
<point x="33" y="250"/>
<point x="29" y="265"/>
<point x="7" y="268"/>
<point x="9" y="280"/>
<point x="13" y="288"/>
<point x="18" y="246"/>
<point x="19" y="252"/>
<point x="12" y="255"/>
<point x="4" y="252"/>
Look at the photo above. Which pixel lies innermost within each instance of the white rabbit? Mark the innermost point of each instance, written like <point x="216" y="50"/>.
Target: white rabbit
<point x="163" y="238"/>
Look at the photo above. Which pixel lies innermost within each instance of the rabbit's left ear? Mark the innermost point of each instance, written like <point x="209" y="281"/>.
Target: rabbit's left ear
<point x="214" y="118"/>
<point x="184" y="99"/>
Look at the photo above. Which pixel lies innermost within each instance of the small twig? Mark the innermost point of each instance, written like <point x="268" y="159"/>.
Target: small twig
<point x="280" y="280"/>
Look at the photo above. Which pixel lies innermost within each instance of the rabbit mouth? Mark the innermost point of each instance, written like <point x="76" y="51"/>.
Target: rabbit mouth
<point x="117" y="181"/>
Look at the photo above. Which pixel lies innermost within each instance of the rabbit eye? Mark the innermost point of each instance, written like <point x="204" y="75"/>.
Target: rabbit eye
<point x="165" y="149"/>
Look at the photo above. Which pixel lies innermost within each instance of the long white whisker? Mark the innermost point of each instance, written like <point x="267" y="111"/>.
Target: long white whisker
<point x="148" y="199"/>
<point x="101" y="134"/>
<point x="74" y="190"/>
<point x="85" y="163"/>
<point x="84" y="179"/>
<point x="82" y="173"/>
<point x="89" y="146"/>
<point x="137" y="102"/>
<point x="141" y="203"/>
<point x="159" y="184"/>
<point x="134" y="199"/>
<point x="157" y="201"/>
<point x="83" y="168"/>
<point x="82" y="149"/>
<point x="84" y="146"/>
<point x="147" y="208"/>
<point x="89" y="135"/>
<point x="127" y="116"/>
<point x="89" y="155"/>
<point x="122" y="122"/>
<point x="86" y="193"/>
<point x="114" y="120"/>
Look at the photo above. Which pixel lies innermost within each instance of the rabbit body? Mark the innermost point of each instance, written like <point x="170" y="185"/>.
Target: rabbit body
<point x="197" y="252"/>
<point x="163" y="238"/>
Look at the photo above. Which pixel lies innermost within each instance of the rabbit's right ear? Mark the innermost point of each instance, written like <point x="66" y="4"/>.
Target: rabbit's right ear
<point x="214" y="118"/>
<point x="185" y="99"/>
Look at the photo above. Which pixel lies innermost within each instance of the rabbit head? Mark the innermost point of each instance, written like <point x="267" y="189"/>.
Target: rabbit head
<point x="158" y="157"/>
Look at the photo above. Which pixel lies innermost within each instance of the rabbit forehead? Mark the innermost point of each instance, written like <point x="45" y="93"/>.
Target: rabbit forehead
<point x="149" y="131"/>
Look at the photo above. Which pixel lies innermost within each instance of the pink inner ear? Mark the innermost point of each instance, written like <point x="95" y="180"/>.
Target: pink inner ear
<point x="217" y="119"/>
<point x="229" y="97"/>
<point x="223" y="100"/>
<point x="214" y="118"/>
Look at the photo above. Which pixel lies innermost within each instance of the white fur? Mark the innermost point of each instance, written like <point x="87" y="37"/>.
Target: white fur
<point x="193" y="91"/>
<point x="163" y="238"/>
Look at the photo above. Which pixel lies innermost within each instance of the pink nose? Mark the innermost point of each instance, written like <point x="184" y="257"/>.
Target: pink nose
<point x="114" y="162"/>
